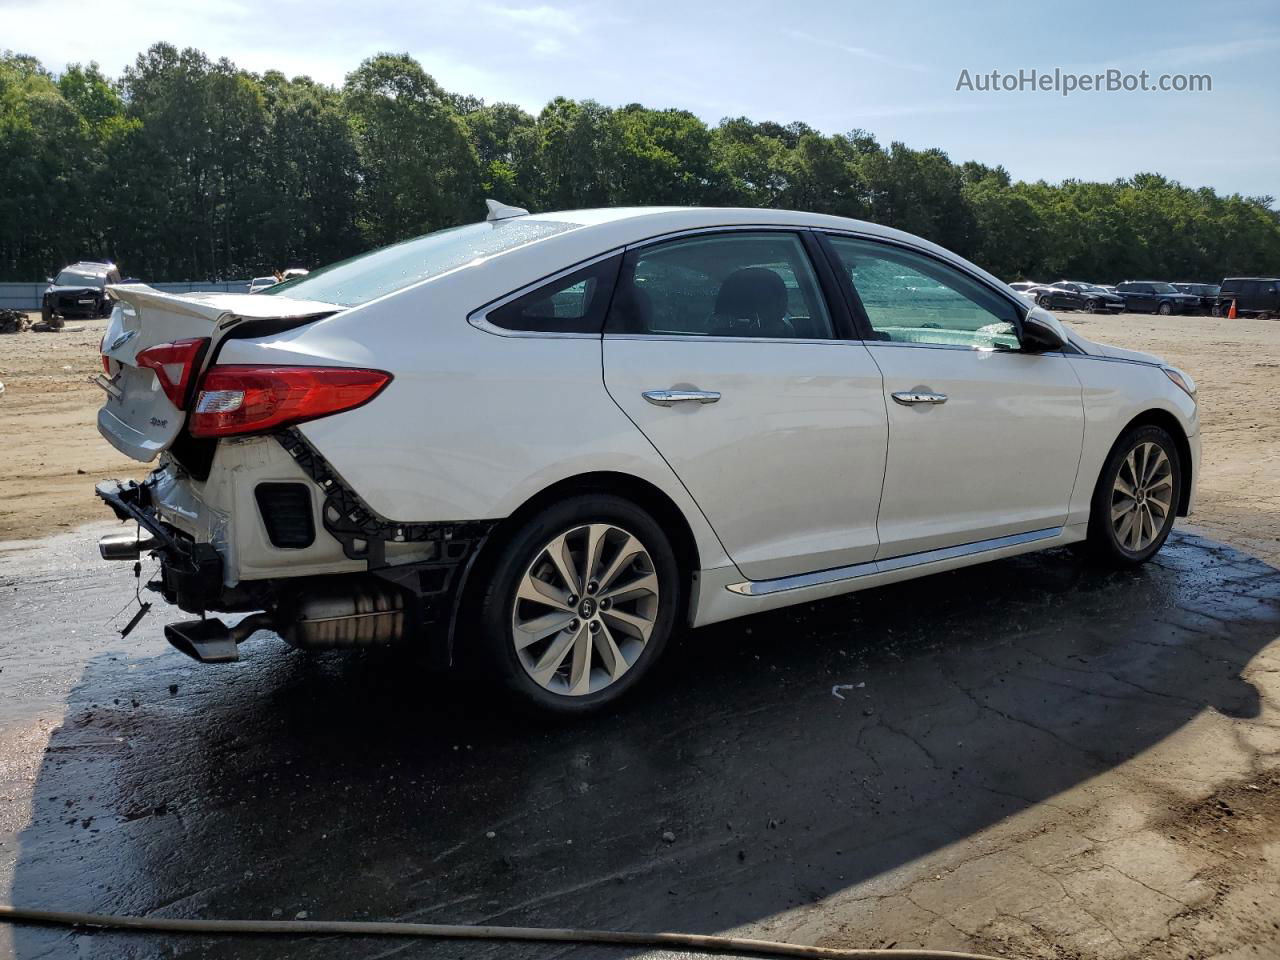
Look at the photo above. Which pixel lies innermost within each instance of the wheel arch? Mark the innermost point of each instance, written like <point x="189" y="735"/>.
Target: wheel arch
<point x="642" y="493"/>
<point x="1170" y="424"/>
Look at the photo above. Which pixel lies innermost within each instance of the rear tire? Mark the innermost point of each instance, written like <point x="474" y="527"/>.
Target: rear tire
<point x="1136" y="498"/>
<point x="579" y="604"/>
<point x="1164" y="309"/>
<point x="1044" y="301"/>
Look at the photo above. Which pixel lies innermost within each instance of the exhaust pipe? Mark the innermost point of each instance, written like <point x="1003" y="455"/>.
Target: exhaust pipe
<point x="346" y="616"/>
<point x="212" y="641"/>
<point x="125" y="546"/>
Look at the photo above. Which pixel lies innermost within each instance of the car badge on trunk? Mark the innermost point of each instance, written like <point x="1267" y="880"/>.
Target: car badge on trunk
<point x="121" y="340"/>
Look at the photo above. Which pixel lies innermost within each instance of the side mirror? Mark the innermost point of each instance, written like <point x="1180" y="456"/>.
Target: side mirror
<point x="48" y="280"/>
<point x="1042" y="332"/>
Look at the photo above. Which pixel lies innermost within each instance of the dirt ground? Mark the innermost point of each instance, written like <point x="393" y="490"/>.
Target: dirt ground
<point x="47" y="486"/>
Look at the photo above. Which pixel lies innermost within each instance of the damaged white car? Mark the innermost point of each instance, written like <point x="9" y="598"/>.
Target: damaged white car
<point x="554" y="439"/>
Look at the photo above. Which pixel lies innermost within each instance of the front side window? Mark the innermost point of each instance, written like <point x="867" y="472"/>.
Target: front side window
<point x="911" y="298"/>
<point x="748" y="284"/>
<point x="575" y="303"/>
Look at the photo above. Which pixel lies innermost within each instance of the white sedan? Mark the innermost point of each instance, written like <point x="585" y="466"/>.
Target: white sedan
<point x="555" y="439"/>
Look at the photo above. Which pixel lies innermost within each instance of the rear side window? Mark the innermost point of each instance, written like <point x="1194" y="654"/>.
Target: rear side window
<point x="575" y="303"/>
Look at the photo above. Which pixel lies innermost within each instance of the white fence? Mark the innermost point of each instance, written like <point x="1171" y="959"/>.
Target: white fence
<point x="26" y="296"/>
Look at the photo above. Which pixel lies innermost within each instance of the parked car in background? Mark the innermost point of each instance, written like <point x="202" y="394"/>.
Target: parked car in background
<point x="1077" y="295"/>
<point x="293" y="273"/>
<point x="1207" y="292"/>
<point x="1253" y="296"/>
<point x="1022" y="286"/>
<point x="670" y="417"/>
<point x="78" y="291"/>
<point x="1156" y="296"/>
<point x="261" y="283"/>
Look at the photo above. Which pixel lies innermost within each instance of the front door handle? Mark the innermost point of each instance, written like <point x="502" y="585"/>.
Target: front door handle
<point x="908" y="397"/>
<point x="665" y="398"/>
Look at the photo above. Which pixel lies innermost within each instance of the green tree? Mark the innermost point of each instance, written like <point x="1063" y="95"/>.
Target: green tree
<point x="418" y="170"/>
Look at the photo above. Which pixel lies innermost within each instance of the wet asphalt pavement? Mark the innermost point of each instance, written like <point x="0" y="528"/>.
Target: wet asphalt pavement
<point x="364" y="786"/>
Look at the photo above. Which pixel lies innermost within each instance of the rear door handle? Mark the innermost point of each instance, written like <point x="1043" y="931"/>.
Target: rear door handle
<point x="908" y="397"/>
<point x="665" y="398"/>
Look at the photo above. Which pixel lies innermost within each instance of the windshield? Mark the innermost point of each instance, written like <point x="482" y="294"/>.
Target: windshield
<point x="1163" y="288"/>
<point x="370" y="275"/>
<point x="79" y="278"/>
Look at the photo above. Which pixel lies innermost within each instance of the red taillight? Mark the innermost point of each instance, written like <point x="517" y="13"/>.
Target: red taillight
<point x="247" y="399"/>
<point x="106" y="361"/>
<point x="174" y="365"/>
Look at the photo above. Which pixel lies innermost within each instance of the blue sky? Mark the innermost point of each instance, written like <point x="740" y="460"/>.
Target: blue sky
<point x="889" y="67"/>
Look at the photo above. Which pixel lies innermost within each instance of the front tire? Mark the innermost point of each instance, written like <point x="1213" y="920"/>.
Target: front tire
<point x="1136" y="498"/>
<point x="1164" y="309"/>
<point x="580" y="604"/>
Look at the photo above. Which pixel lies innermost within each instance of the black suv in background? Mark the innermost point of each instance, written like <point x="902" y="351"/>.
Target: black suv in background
<point x="1207" y="292"/>
<point x="1254" y="296"/>
<point x="78" y="291"/>
<point x="1156" y="296"/>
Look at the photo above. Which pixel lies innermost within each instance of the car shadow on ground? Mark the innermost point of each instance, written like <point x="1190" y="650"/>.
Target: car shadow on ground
<point x="362" y="786"/>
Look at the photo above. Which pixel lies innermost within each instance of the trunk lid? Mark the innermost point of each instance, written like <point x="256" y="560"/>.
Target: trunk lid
<point x="138" y="417"/>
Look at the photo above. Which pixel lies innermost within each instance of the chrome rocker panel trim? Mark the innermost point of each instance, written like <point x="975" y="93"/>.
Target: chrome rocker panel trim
<point x="759" y="588"/>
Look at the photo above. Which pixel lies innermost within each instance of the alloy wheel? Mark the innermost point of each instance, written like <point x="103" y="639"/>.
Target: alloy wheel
<point x="1142" y="496"/>
<point x="585" y="609"/>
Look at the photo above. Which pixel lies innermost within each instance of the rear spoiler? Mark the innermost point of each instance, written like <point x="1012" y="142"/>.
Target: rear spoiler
<point x="222" y="309"/>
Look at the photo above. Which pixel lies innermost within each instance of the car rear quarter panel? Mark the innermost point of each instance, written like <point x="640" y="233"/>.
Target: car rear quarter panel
<point x="1115" y="393"/>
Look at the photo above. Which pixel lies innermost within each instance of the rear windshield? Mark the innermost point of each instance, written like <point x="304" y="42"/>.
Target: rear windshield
<point x="371" y="275"/>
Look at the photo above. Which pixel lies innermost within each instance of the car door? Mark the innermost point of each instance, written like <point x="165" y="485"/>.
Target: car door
<point x="725" y="350"/>
<point x="1071" y="298"/>
<point x="984" y="438"/>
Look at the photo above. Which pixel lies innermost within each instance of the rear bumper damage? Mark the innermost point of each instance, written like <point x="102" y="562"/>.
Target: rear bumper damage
<point x="391" y="582"/>
<point x="191" y="572"/>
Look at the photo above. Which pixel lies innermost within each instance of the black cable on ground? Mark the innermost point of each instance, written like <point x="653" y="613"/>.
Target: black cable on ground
<point x="453" y="931"/>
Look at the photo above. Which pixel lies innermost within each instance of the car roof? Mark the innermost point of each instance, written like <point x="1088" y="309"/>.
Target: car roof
<point x="611" y="227"/>
<point x="1272" y="279"/>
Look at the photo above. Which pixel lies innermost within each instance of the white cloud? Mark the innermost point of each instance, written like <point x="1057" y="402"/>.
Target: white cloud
<point x="864" y="53"/>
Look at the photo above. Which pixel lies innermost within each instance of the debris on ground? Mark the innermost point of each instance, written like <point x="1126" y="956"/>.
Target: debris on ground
<point x="13" y="321"/>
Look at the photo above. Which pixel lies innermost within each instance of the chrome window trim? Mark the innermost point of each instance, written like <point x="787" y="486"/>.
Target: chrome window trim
<point x="760" y="588"/>
<point x="724" y="228"/>
<point x="960" y="346"/>
<point x="703" y="338"/>
<point x="479" y="318"/>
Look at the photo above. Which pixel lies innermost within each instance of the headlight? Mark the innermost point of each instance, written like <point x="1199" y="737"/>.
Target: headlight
<point x="1182" y="379"/>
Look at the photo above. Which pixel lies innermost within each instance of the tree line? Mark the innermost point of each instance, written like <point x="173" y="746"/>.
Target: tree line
<point x="185" y="168"/>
